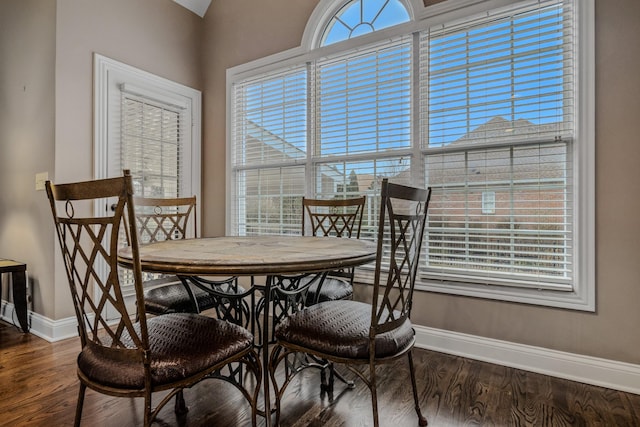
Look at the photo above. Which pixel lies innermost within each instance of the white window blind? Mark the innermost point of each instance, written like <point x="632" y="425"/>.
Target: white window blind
<point x="152" y="149"/>
<point x="363" y="123"/>
<point x="152" y="145"/>
<point x="363" y="103"/>
<point x="504" y="76"/>
<point x="499" y="93"/>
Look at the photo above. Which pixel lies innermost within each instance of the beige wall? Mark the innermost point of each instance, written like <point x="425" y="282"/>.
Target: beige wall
<point x="236" y="32"/>
<point x="27" y="60"/>
<point x="154" y="35"/>
<point x="242" y="30"/>
<point x="49" y="49"/>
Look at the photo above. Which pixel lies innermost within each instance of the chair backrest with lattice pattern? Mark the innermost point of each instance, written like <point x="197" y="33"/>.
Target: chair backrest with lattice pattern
<point x="403" y="214"/>
<point x="160" y="219"/>
<point x="89" y="246"/>
<point x="333" y="217"/>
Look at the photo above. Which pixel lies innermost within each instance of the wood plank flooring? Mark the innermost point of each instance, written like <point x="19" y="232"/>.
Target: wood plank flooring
<point x="38" y="387"/>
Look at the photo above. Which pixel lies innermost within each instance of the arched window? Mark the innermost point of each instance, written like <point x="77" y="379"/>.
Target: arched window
<point x="358" y="17"/>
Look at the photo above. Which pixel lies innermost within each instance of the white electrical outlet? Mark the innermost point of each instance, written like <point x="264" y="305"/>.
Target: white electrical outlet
<point x="41" y="178"/>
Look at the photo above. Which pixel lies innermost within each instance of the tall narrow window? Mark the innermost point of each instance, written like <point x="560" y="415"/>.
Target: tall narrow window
<point x="501" y="121"/>
<point x="149" y="125"/>
<point x="363" y="123"/>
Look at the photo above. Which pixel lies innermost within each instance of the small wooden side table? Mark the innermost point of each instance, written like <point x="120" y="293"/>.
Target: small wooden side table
<point x="18" y="272"/>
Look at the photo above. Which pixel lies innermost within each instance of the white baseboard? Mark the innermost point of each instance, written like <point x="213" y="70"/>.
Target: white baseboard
<point x="575" y="367"/>
<point x="53" y="330"/>
<point x="41" y="326"/>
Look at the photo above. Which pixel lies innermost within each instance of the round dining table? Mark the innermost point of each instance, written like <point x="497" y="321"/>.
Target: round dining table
<point x="251" y="255"/>
<point x="269" y="256"/>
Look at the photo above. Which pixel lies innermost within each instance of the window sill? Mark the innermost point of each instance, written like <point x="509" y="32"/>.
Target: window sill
<point x="580" y="299"/>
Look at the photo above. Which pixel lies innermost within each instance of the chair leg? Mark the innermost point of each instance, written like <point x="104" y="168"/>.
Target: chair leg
<point x="422" y="421"/>
<point x="374" y="393"/>
<point x="254" y="365"/>
<point x="327" y="387"/>
<point x="272" y="366"/>
<point x="147" y="408"/>
<point x="324" y="386"/>
<point x="79" y="405"/>
<point x="181" y="405"/>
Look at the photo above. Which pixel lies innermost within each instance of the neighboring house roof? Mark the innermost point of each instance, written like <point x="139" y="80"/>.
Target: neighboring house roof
<point x="261" y="135"/>
<point x="498" y="128"/>
<point x="365" y="181"/>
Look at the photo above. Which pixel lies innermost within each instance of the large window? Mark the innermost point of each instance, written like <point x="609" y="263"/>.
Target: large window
<point x="489" y="109"/>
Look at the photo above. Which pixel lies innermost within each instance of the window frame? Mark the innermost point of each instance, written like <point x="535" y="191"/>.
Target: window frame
<point x="110" y="76"/>
<point x="582" y="296"/>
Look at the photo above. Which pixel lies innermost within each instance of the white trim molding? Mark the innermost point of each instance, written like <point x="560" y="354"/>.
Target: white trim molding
<point x="575" y="367"/>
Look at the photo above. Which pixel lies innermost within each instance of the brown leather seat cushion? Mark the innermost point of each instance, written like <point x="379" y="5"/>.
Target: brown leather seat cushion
<point x="181" y="344"/>
<point x="174" y="298"/>
<point x="341" y="328"/>
<point x="333" y="289"/>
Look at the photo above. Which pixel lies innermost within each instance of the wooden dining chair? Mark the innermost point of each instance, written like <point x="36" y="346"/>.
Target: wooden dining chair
<point x="160" y="219"/>
<point x="337" y="218"/>
<point x="356" y="333"/>
<point x="123" y="354"/>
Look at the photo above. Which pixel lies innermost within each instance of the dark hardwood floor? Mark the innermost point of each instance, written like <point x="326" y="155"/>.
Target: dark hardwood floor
<point x="38" y="387"/>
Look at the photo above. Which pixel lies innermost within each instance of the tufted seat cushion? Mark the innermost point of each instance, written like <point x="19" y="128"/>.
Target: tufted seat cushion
<point x="333" y="288"/>
<point x="181" y="345"/>
<point x="341" y="329"/>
